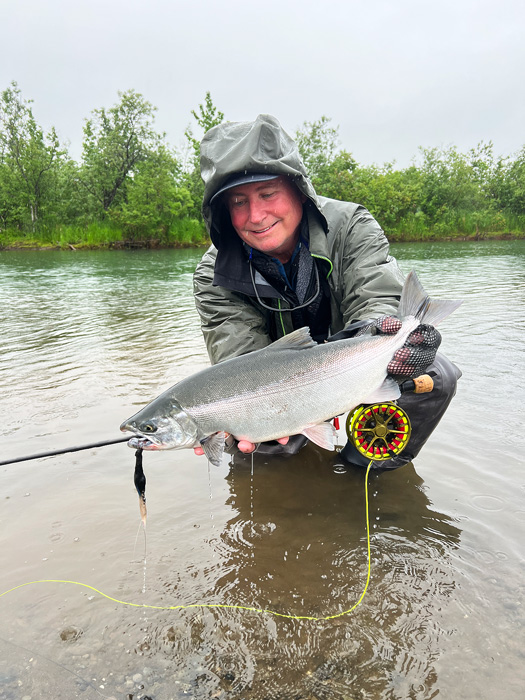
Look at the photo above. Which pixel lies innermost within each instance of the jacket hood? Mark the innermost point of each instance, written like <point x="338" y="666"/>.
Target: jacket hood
<point x="261" y="146"/>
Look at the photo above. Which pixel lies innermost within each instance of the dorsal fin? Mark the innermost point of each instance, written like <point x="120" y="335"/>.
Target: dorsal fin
<point x="297" y="340"/>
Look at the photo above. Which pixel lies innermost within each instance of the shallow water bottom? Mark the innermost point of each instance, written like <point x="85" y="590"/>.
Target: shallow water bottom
<point x="443" y="615"/>
<point x="254" y="537"/>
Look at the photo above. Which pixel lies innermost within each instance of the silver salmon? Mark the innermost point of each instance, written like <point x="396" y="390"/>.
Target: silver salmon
<point x="292" y="386"/>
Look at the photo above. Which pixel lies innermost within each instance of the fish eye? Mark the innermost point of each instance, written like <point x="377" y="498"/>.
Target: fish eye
<point x="148" y="428"/>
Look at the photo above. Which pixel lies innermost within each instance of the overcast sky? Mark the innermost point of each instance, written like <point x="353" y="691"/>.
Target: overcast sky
<point x="393" y="75"/>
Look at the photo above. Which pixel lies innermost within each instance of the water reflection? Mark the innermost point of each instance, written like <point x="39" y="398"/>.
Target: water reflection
<point x="280" y="557"/>
<point x="293" y="540"/>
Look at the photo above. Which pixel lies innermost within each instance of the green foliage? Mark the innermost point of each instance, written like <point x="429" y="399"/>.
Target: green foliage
<point x="12" y="201"/>
<point x="154" y="199"/>
<point x="447" y="194"/>
<point x="116" y="141"/>
<point x="28" y="160"/>
<point x="207" y="116"/>
<point x="509" y="185"/>
<point x="317" y="143"/>
<point x="131" y="189"/>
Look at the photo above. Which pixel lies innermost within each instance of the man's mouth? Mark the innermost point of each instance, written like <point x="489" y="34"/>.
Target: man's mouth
<point x="263" y="230"/>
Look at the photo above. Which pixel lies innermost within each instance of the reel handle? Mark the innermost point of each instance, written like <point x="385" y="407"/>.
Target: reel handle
<point x="419" y="385"/>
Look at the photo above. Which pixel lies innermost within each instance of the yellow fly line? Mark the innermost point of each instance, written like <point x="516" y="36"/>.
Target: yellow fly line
<point x="223" y="605"/>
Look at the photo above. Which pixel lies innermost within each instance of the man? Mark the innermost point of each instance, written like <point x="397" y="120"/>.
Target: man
<point x="283" y="257"/>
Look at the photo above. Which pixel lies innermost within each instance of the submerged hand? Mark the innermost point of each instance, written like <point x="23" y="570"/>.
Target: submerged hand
<point x="243" y="445"/>
<point x="248" y="447"/>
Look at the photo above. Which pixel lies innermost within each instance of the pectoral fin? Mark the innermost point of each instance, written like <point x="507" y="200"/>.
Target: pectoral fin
<point x="323" y="434"/>
<point x="299" y="339"/>
<point x="213" y="447"/>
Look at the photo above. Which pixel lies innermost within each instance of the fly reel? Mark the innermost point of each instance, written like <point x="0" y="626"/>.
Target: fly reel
<point x="379" y="431"/>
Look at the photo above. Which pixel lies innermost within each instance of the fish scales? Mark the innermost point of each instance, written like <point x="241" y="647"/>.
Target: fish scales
<point x="292" y="386"/>
<point x="328" y="380"/>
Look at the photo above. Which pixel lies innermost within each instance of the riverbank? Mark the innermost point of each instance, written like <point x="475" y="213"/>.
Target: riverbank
<point x="10" y="242"/>
<point x="32" y="244"/>
<point x="184" y="233"/>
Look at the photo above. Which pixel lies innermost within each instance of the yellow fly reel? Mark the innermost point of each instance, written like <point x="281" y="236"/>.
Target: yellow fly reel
<point x="379" y="431"/>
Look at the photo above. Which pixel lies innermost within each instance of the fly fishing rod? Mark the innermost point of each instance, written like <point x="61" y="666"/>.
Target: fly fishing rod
<point x="92" y="445"/>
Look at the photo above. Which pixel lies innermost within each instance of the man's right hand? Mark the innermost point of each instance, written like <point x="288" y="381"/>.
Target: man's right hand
<point x="249" y="447"/>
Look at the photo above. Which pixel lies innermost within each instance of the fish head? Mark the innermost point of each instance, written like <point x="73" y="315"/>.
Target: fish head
<point x="161" y="426"/>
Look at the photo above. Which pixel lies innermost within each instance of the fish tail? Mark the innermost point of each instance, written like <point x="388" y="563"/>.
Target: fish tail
<point x="416" y="302"/>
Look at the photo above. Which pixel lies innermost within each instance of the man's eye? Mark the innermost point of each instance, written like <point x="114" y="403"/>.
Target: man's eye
<point x="237" y="203"/>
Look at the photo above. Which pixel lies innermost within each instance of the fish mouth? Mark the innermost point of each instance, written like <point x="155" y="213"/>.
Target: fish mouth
<point x="139" y="441"/>
<point x="142" y="443"/>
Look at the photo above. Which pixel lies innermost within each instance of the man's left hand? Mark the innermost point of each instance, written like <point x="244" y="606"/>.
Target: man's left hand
<point x="418" y="352"/>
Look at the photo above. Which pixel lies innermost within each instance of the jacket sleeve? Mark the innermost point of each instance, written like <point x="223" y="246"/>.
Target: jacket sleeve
<point x="230" y="324"/>
<point x="370" y="278"/>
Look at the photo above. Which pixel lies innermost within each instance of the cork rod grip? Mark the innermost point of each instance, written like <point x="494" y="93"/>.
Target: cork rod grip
<point x="423" y="384"/>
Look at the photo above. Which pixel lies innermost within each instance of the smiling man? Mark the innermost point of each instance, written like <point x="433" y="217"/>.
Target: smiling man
<point x="266" y="215"/>
<point x="284" y="257"/>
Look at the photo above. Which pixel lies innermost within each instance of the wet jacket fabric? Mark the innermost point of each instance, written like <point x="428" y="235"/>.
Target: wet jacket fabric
<point x="358" y="276"/>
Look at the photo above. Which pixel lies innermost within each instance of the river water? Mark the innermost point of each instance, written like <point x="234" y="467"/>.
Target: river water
<point x="89" y="337"/>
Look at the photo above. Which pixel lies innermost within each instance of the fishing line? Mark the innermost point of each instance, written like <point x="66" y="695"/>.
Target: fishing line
<point x="224" y="605"/>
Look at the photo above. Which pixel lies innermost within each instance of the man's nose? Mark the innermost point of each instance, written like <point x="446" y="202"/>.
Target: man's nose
<point x="257" y="212"/>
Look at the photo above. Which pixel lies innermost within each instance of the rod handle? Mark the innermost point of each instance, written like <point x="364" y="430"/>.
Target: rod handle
<point x="419" y="385"/>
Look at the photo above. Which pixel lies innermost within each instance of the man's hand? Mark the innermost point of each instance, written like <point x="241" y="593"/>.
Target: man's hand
<point x="418" y="352"/>
<point x="243" y="445"/>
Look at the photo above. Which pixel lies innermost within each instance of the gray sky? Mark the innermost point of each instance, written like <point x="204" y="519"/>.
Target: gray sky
<point x="392" y="74"/>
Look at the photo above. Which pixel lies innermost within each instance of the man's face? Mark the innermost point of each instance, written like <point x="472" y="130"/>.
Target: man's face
<point x="266" y="215"/>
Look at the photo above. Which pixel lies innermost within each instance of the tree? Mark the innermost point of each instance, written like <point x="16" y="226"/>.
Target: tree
<point x="27" y="156"/>
<point x="115" y="142"/>
<point x="154" y="198"/>
<point x="509" y="182"/>
<point x="318" y="145"/>
<point x="207" y="116"/>
<point x="68" y="201"/>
